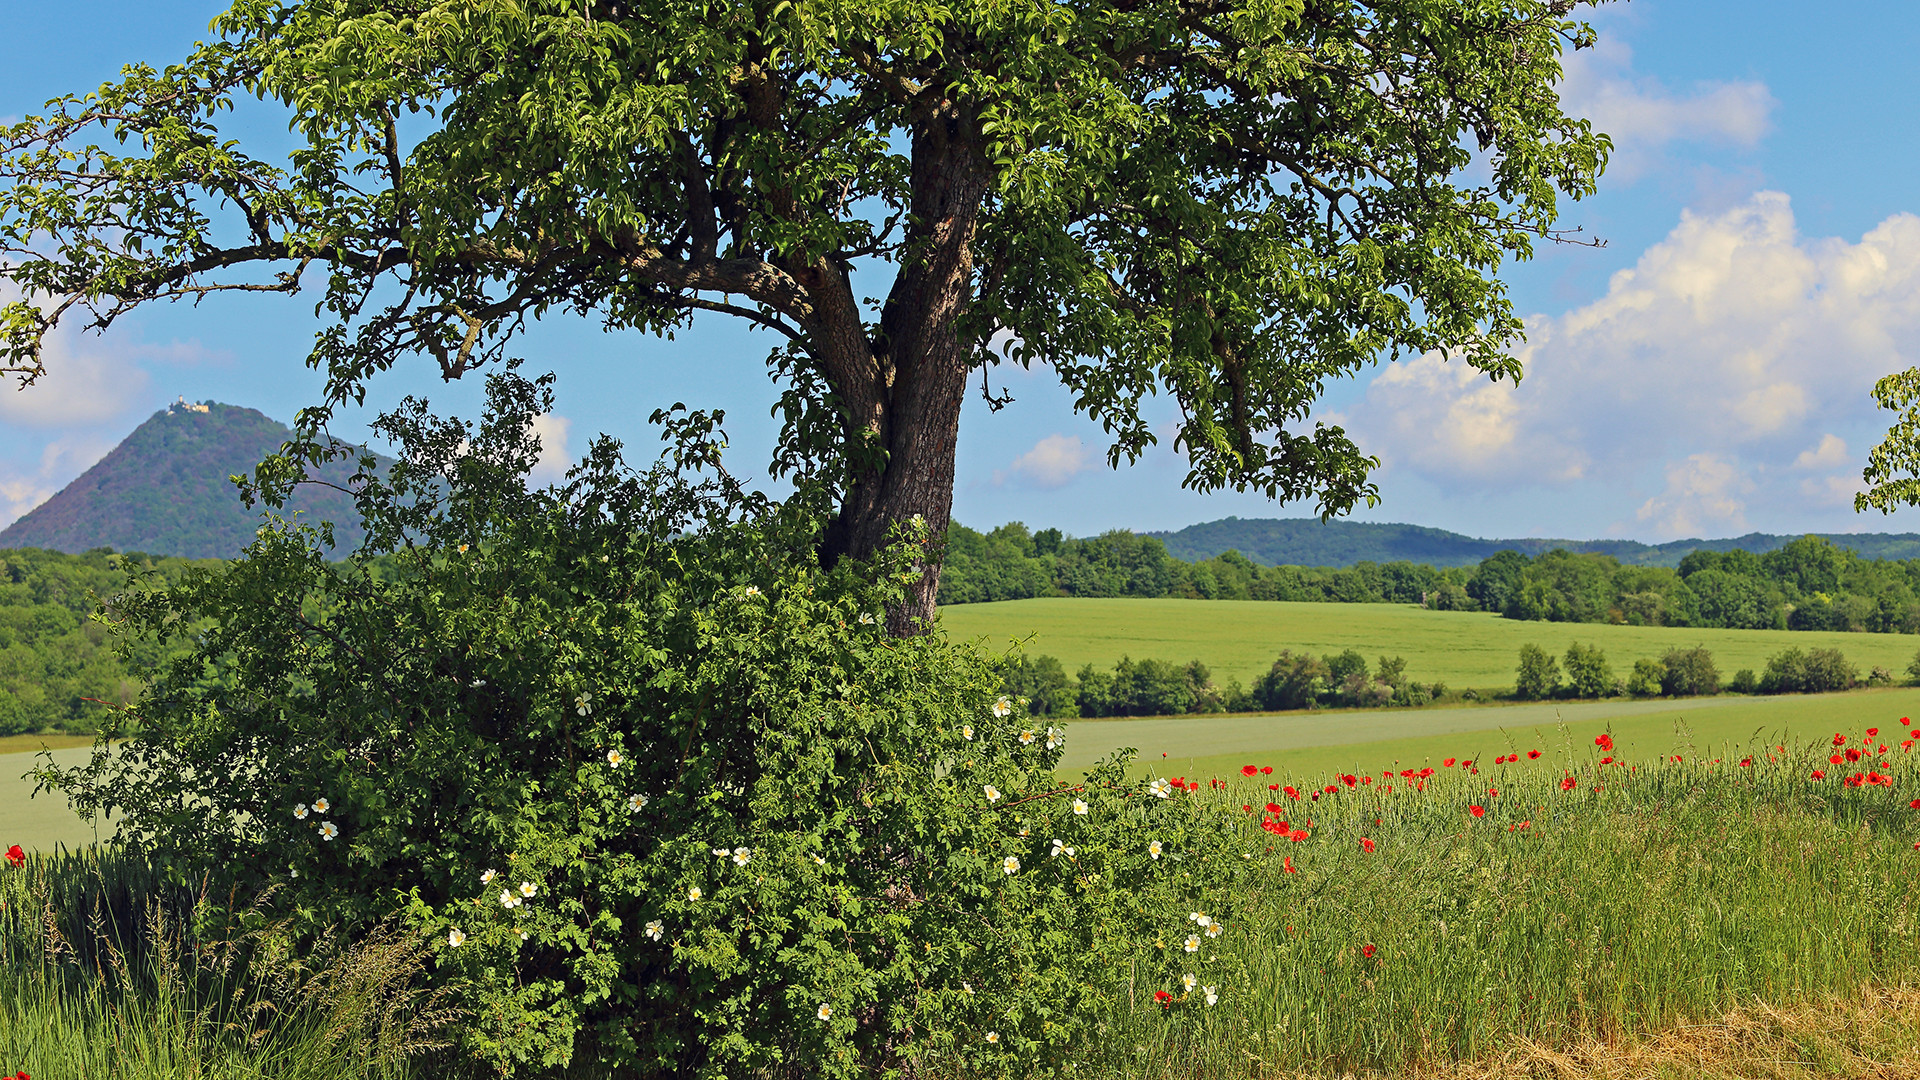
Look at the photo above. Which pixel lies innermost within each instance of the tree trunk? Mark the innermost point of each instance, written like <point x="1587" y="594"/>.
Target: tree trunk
<point x="907" y="398"/>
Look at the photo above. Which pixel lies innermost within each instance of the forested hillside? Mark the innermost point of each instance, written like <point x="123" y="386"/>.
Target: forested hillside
<point x="1806" y="584"/>
<point x="1312" y="542"/>
<point x="165" y="490"/>
<point x="57" y="665"/>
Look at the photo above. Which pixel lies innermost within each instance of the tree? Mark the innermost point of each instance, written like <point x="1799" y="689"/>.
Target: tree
<point x="1538" y="675"/>
<point x="1226" y="201"/>
<point x="1588" y="673"/>
<point x="1689" y="673"/>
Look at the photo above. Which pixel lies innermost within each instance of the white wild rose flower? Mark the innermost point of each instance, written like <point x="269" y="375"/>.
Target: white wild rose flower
<point x="656" y="930"/>
<point x="1080" y="807"/>
<point x="993" y="793"/>
<point x="1010" y="864"/>
<point x="1161" y="788"/>
<point x="456" y="939"/>
<point x="1153" y="848"/>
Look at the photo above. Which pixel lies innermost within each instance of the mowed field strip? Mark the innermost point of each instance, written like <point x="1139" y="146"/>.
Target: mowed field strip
<point x="1238" y="639"/>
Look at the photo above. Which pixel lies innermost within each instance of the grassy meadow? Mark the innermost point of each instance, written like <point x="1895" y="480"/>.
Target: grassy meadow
<point x="1239" y="639"/>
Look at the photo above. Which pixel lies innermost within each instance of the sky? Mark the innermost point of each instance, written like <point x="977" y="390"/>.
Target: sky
<point x="1707" y="372"/>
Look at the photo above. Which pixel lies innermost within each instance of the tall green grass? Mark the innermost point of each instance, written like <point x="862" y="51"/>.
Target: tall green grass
<point x="1640" y="900"/>
<point x="108" y="970"/>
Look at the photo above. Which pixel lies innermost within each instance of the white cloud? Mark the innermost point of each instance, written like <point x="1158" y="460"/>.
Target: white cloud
<point x="552" y="430"/>
<point x="60" y="461"/>
<point x="1732" y="344"/>
<point x="1831" y="452"/>
<point x="1642" y="114"/>
<point x="1703" y="495"/>
<point x="1052" y="462"/>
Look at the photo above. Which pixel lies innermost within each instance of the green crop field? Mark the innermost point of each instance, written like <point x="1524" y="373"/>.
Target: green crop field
<point x="1238" y="639"/>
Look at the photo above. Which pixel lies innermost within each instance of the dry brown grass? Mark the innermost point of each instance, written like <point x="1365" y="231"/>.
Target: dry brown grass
<point x="1874" y="1035"/>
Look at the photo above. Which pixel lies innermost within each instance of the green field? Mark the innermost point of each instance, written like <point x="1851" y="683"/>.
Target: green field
<point x="1238" y="639"/>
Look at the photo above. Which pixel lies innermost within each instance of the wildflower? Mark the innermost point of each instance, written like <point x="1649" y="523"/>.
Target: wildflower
<point x="1266" y="770"/>
<point x="1605" y="742"/>
<point x="328" y="830"/>
<point x="1080" y="807"/>
<point x="1193" y="943"/>
<point x="508" y="900"/>
<point x="1196" y="917"/>
<point x="299" y="811"/>
<point x="523" y="935"/>
<point x="1153" y="848"/>
<point x="1366" y="845"/>
<point x="1212" y="992"/>
<point x="1002" y="708"/>
<point x="720" y="853"/>
<point x="1819" y="774"/>
<point x="321" y="806"/>
<point x="636" y="803"/>
<point x="1215" y="929"/>
<point x="1287" y="865"/>
<point x="463" y="549"/>
<point x="1161" y="789"/>
<point x="818" y="861"/>
<point x="993" y="1037"/>
<point x="487" y="878"/>
<point x="656" y="930"/>
<point x="292" y="870"/>
<point x="866" y="619"/>
<point x="1367" y="951"/>
<point x="1058" y="847"/>
<point x="966" y="732"/>
<point x="752" y="591"/>
<point x="993" y="793"/>
<point x="1291" y="791"/>
<point x="1477" y="811"/>
<point x="476" y="684"/>
<point x="826" y="1011"/>
<point x="1165" y="999"/>
<point x="1027" y="737"/>
<point x="614" y="758"/>
<point x="583" y="705"/>
<point x="1249" y="770"/>
<point x="1533" y="755"/>
<point x="527" y="889"/>
<point x="693" y="893"/>
<point x="741" y="855"/>
<point x="1566" y="784"/>
<point x="1188" y="980"/>
<point x="1056" y="738"/>
<point x="1448" y="763"/>
<point x="1914" y="805"/>
<point x="1010" y="865"/>
<point x="1872" y="731"/>
<point x="455" y="938"/>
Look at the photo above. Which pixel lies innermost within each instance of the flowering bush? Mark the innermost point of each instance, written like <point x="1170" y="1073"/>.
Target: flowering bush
<point x="661" y="789"/>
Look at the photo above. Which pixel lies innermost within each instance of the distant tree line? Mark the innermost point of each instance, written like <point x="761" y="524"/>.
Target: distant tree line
<point x="1808" y="584"/>
<point x="1160" y="688"/>
<point x="58" y="667"/>
<point x="1585" y="673"/>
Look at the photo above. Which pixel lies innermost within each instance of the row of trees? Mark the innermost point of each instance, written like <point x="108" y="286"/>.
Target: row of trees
<point x="1160" y="688"/>
<point x="1808" y="584"/>
<point x="1585" y="673"/>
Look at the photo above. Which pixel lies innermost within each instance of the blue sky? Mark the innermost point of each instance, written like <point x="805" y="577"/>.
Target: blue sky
<point x="1705" y="373"/>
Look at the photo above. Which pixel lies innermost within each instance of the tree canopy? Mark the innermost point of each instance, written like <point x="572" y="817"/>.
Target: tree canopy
<point x="1226" y="201"/>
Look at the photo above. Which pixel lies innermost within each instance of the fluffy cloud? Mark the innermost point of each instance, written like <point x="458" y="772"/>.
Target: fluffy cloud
<point x="553" y="430"/>
<point x="1052" y="462"/>
<point x="1724" y="361"/>
<point x="60" y="461"/>
<point x="1642" y="114"/>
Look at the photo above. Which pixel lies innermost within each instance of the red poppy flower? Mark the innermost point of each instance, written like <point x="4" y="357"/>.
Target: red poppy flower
<point x="1608" y="760"/>
<point x="1567" y="784"/>
<point x="1273" y="808"/>
<point x="1426" y="772"/>
<point x="1872" y="731"/>
<point x="1906" y="721"/>
<point x="1247" y="808"/>
<point x="1914" y="805"/>
<point x="1348" y="780"/>
<point x="1746" y="763"/>
<point x="1162" y="996"/>
<point x="1448" y="763"/>
<point x="1249" y="770"/>
<point x="1292" y="792"/>
<point x="1839" y="739"/>
<point x="1604" y="742"/>
<point x="1477" y="811"/>
<point x="1331" y="789"/>
<point x="1836" y="759"/>
<point x="1287" y="864"/>
<point x="1297" y="835"/>
<point x="1367" y="951"/>
<point x="1366" y="845"/>
<point x="1493" y="793"/>
<point x="1533" y="755"/>
<point x="1266" y="770"/>
<point x="16" y="856"/>
<point x="1273" y="787"/>
<point x="1819" y="774"/>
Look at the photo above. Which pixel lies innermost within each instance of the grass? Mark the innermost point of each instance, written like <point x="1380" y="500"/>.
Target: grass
<point x="1317" y="743"/>
<point x="109" y="971"/>
<point x="1239" y="639"/>
<point x="1564" y="933"/>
